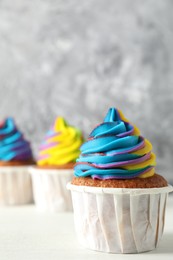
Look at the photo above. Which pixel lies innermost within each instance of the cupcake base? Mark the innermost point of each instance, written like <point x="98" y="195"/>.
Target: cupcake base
<point x="15" y="185"/>
<point x="155" y="181"/>
<point x="116" y="220"/>
<point x="49" y="188"/>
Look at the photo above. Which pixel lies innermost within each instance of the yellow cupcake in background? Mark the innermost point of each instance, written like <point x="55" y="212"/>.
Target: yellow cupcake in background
<point x="57" y="155"/>
<point x="61" y="145"/>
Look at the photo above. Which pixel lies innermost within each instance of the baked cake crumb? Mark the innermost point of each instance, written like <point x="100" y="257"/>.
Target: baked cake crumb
<point x="155" y="181"/>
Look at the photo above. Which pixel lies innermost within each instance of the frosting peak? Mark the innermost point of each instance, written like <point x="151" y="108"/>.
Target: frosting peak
<point x="13" y="146"/>
<point x="61" y="144"/>
<point x="112" y="115"/>
<point x="115" y="150"/>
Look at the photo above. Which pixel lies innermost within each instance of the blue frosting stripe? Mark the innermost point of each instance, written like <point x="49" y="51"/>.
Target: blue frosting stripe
<point x="10" y="139"/>
<point x="108" y="151"/>
<point x="109" y="128"/>
<point x="112" y="115"/>
<point x="89" y="171"/>
<point x="13" y="146"/>
<point x="7" y="127"/>
<point x="106" y="158"/>
<point x="108" y="143"/>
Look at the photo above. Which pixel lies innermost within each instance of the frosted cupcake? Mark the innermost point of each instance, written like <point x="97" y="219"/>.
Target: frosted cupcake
<point x="56" y="159"/>
<point x="119" y="201"/>
<point x="15" y="159"/>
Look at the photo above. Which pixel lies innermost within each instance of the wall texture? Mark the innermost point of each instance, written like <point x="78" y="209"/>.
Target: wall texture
<point x="77" y="58"/>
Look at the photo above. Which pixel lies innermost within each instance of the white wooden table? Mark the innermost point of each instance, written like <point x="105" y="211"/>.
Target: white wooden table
<point x="26" y="234"/>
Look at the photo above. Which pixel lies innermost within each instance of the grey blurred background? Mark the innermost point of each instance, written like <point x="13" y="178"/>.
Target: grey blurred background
<point x="77" y="58"/>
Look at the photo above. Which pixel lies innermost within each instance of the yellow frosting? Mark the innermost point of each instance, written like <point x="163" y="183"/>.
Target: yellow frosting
<point x="61" y="144"/>
<point x="146" y="149"/>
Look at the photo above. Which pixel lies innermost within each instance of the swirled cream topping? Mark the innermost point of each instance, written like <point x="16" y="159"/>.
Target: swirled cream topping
<point x="61" y="144"/>
<point x="13" y="146"/>
<point x="116" y="150"/>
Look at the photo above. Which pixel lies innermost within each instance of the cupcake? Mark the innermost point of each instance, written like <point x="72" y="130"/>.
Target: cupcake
<point x="15" y="159"/>
<point x="119" y="201"/>
<point x="56" y="159"/>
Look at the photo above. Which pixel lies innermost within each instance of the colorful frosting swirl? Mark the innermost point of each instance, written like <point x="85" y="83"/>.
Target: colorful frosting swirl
<point x="61" y="144"/>
<point x="13" y="146"/>
<point x="115" y="150"/>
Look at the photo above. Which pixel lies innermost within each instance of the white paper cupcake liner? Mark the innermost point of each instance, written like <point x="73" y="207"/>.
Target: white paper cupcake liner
<point x="49" y="189"/>
<point x="15" y="185"/>
<point x="119" y="220"/>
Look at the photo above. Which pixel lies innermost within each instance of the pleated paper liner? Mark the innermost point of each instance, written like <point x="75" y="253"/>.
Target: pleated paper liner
<point x="116" y="220"/>
<point x="49" y="189"/>
<point x="15" y="185"/>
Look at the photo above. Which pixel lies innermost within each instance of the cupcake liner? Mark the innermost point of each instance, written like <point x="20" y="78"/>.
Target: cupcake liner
<point x="49" y="189"/>
<point x="15" y="185"/>
<point x="119" y="220"/>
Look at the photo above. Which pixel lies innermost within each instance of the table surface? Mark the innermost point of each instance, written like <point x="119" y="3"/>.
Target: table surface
<point x="26" y="234"/>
